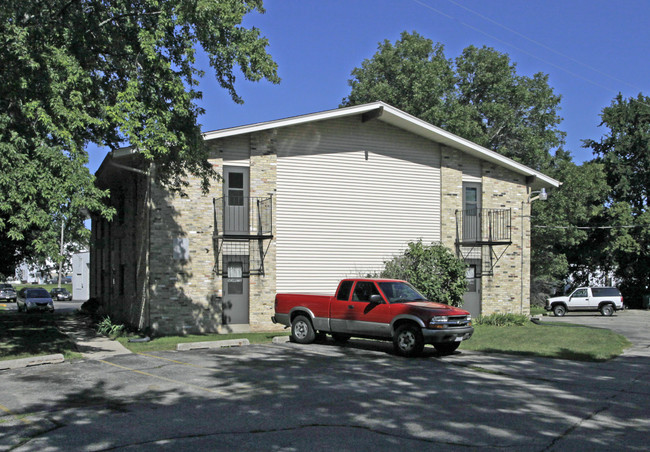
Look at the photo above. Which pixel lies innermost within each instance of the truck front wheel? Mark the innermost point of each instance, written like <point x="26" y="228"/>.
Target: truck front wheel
<point x="408" y="340"/>
<point x="302" y="331"/>
<point x="559" y="310"/>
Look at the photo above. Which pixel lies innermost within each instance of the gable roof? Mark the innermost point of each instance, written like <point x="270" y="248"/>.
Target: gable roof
<point x="395" y="117"/>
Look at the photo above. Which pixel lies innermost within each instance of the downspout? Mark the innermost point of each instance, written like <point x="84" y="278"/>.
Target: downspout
<point x="521" y="299"/>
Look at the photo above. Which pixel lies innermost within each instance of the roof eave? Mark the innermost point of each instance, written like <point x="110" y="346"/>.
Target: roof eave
<point x="391" y="115"/>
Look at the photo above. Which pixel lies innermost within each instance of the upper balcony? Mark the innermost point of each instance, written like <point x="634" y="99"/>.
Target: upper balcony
<point x="476" y="227"/>
<point x="243" y="217"/>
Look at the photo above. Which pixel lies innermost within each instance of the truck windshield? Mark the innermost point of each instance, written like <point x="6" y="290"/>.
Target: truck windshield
<point x="399" y="292"/>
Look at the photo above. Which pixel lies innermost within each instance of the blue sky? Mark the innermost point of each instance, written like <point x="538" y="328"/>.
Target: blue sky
<point x="591" y="49"/>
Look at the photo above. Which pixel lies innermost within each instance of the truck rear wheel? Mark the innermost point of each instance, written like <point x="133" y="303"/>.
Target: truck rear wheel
<point x="408" y="340"/>
<point x="607" y="309"/>
<point x="302" y="330"/>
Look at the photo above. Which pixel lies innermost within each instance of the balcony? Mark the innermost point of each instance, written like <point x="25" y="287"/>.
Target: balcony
<point x="477" y="227"/>
<point x="243" y="217"/>
<point x="243" y="226"/>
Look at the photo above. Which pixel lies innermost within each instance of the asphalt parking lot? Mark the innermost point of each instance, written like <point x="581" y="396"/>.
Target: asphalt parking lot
<point x="291" y="397"/>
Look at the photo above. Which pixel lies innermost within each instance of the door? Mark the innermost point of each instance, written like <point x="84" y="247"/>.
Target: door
<point x="340" y="311"/>
<point x="236" y="200"/>
<point x="579" y="299"/>
<point x="366" y="317"/>
<point x="471" y="212"/>
<point x="472" y="298"/>
<point x="235" y="291"/>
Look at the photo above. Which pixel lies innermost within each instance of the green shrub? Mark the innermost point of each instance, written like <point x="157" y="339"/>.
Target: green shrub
<point x="432" y="269"/>
<point x="107" y="328"/>
<point x="499" y="319"/>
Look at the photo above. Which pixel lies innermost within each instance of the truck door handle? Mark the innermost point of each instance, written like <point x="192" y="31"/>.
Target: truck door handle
<point x="350" y="306"/>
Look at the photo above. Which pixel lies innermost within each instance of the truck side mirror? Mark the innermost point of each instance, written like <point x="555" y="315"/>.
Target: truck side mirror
<point x="376" y="298"/>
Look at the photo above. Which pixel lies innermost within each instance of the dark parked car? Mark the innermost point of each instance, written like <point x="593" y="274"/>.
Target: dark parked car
<point x="7" y="293"/>
<point x="34" y="299"/>
<point x="61" y="294"/>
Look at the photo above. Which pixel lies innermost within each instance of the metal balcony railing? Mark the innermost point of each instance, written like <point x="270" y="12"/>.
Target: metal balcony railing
<point x="483" y="227"/>
<point x="243" y="217"/>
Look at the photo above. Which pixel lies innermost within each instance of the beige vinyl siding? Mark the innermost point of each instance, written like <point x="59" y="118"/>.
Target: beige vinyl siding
<point x="341" y="215"/>
<point x="236" y="151"/>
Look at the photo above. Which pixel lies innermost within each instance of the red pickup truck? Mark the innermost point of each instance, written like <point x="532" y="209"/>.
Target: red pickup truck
<point x="378" y="309"/>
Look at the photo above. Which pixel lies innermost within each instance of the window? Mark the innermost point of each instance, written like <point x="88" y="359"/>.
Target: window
<point x="364" y="290"/>
<point x="235" y="279"/>
<point x="471" y="201"/>
<point x="344" y="291"/>
<point x="606" y="292"/>
<point x="122" y="279"/>
<point x="471" y="211"/>
<point x="582" y="293"/>
<point x="470" y="274"/>
<point x="235" y="189"/>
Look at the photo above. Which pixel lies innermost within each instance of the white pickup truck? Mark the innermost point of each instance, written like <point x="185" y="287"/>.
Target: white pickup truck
<point x="604" y="299"/>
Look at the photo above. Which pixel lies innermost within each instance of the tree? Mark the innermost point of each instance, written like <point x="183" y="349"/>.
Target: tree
<point x="432" y="269"/>
<point x="412" y="75"/>
<point x="479" y="96"/>
<point x="563" y="241"/>
<point x="111" y="72"/>
<point x="625" y="154"/>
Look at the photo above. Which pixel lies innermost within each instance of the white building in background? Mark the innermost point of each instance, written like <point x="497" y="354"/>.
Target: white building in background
<point x="81" y="276"/>
<point x="29" y="274"/>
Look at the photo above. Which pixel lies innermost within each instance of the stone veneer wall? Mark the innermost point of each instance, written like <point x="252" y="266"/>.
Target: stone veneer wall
<point x="263" y="183"/>
<point x="186" y="294"/>
<point x="501" y="189"/>
<point x="504" y="292"/>
<point x="183" y="294"/>
<point x="118" y="250"/>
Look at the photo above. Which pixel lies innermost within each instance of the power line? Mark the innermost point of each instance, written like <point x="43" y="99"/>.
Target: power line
<point x="544" y="46"/>
<point x="607" y="88"/>
<point x="588" y="227"/>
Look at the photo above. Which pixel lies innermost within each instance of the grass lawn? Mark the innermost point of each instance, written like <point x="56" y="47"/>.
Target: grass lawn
<point x="27" y="335"/>
<point x="47" y="287"/>
<point x="550" y="340"/>
<point x="537" y="310"/>
<point x="170" y="342"/>
<point x="23" y="336"/>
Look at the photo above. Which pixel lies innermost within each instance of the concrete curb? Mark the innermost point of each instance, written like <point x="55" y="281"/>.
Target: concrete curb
<point x="213" y="344"/>
<point x="281" y="339"/>
<point x="32" y="361"/>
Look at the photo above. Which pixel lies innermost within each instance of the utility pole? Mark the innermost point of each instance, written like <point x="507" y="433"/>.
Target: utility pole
<point x="61" y="250"/>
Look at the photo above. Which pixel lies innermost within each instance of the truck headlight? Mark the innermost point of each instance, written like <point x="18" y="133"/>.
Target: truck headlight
<point x="438" y="322"/>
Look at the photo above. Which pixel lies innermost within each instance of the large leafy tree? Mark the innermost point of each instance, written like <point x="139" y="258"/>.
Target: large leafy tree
<point x="624" y="151"/>
<point x="564" y="235"/>
<point x="478" y="96"/>
<point x="111" y="72"/>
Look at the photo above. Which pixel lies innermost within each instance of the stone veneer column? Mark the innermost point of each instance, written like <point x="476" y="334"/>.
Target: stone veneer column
<point x="451" y="183"/>
<point x="263" y="183"/>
